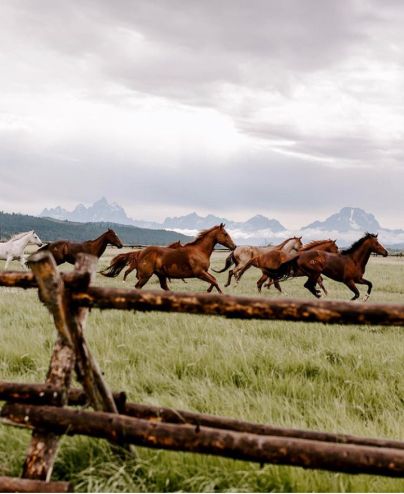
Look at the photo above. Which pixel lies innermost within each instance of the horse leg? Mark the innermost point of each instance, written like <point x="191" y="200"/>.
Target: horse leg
<point x="23" y="263"/>
<point x="143" y="278"/>
<point x="163" y="281"/>
<point x="369" y="284"/>
<point x="261" y="281"/>
<point x="127" y="272"/>
<point x="8" y="260"/>
<point x="351" y="285"/>
<point x="231" y="272"/>
<point x="276" y="285"/>
<point x="205" y="276"/>
<point x="311" y="285"/>
<point x="320" y="282"/>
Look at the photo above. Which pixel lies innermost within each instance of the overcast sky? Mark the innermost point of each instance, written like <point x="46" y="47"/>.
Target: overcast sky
<point x="292" y="109"/>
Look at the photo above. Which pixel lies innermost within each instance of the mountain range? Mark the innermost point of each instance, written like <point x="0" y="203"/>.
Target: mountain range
<point x="345" y="226"/>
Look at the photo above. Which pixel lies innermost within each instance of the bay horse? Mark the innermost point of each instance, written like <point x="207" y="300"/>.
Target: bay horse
<point x="66" y="251"/>
<point x="242" y="254"/>
<point x="272" y="257"/>
<point x="14" y="248"/>
<point x="348" y="266"/>
<point x="324" y="245"/>
<point x="192" y="260"/>
<point x="131" y="258"/>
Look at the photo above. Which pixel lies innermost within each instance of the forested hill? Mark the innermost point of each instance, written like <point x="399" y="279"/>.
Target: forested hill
<point x="50" y="230"/>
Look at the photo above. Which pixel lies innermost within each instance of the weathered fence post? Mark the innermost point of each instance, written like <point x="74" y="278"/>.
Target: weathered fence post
<point x="42" y="450"/>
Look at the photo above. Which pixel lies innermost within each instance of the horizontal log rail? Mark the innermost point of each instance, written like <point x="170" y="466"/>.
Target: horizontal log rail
<point x="330" y="312"/>
<point x="43" y="394"/>
<point x="237" y="445"/>
<point x="12" y="484"/>
<point x="19" y="279"/>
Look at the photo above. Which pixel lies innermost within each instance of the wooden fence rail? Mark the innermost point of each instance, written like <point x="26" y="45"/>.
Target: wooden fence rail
<point x="45" y="408"/>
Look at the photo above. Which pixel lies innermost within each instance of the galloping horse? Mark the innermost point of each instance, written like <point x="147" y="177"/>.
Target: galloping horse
<point x="66" y="251"/>
<point x="189" y="261"/>
<point x="14" y="248"/>
<point x="273" y="257"/>
<point x="244" y="253"/>
<point x="324" y="245"/>
<point x="131" y="258"/>
<point x="347" y="266"/>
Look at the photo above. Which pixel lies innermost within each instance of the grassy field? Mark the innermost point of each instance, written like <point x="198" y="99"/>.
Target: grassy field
<point x="332" y="378"/>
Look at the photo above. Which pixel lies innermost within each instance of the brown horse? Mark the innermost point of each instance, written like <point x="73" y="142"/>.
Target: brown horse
<point x="348" y="266"/>
<point x="189" y="261"/>
<point x="244" y="253"/>
<point x="324" y="245"/>
<point x="66" y="251"/>
<point x="273" y="257"/>
<point x="131" y="258"/>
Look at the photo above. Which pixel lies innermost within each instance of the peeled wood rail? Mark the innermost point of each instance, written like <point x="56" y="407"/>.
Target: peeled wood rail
<point x="237" y="445"/>
<point x="12" y="484"/>
<point x="42" y="394"/>
<point x="330" y="312"/>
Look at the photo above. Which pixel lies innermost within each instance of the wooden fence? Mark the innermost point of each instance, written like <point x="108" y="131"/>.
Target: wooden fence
<point x="47" y="408"/>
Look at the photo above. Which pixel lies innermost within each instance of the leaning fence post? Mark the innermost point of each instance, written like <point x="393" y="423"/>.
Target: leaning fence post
<point x="42" y="450"/>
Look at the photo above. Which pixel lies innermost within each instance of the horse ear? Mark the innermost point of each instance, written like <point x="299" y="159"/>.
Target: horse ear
<point x="300" y="237"/>
<point x="221" y="225"/>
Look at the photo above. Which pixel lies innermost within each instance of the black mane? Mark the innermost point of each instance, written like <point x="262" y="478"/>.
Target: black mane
<point x="358" y="243"/>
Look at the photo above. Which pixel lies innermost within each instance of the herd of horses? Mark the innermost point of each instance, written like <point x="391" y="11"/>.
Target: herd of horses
<point x="277" y="263"/>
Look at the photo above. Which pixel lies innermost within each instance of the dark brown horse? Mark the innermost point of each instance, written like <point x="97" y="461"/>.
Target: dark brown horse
<point x="324" y="245"/>
<point x="348" y="266"/>
<point x="66" y="251"/>
<point x="131" y="258"/>
<point x="189" y="261"/>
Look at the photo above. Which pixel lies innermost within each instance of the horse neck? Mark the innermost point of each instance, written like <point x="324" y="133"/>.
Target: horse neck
<point x="22" y="242"/>
<point x="289" y="247"/>
<point x="98" y="245"/>
<point x="207" y="243"/>
<point x="326" y="246"/>
<point x="361" y="255"/>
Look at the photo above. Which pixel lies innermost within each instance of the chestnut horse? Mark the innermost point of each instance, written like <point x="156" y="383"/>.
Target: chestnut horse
<point x="348" y="266"/>
<point x="192" y="260"/>
<point x="131" y="258"/>
<point x="244" y="253"/>
<point x="324" y="245"/>
<point x="66" y="251"/>
<point x="273" y="257"/>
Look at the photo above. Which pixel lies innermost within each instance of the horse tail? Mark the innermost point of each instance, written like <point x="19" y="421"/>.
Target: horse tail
<point x="117" y="264"/>
<point x="229" y="261"/>
<point x="285" y="271"/>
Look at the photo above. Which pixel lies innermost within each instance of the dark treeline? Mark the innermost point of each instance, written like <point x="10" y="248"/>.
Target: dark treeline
<point x="50" y="230"/>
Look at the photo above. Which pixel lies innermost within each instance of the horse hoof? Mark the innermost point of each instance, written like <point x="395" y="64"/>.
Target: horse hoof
<point x="365" y="298"/>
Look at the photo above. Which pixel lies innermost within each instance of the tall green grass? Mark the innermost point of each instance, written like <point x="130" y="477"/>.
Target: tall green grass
<point x="332" y="378"/>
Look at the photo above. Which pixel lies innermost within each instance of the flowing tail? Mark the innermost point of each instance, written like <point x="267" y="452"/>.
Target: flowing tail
<point x="117" y="264"/>
<point x="286" y="270"/>
<point x="229" y="261"/>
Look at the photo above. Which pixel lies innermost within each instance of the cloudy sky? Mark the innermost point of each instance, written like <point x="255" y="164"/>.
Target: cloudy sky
<point x="291" y="108"/>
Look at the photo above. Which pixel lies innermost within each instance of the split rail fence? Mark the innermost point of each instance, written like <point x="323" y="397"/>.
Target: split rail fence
<point x="55" y="408"/>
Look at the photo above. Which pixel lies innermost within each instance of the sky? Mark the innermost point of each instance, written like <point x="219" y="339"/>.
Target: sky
<point x="292" y="109"/>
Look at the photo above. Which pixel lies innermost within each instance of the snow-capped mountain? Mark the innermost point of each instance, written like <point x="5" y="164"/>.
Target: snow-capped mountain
<point x="347" y="219"/>
<point x="346" y="226"/>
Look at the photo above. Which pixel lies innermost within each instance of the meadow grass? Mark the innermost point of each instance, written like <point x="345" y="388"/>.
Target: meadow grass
<point x="332" y="378"/>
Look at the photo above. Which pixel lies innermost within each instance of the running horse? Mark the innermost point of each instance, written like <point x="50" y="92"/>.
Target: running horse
<point x="131" y="258"/>
<point x="14" y="248"/>
<point x="192" y="260"/>
<point x="242" y="254"/>
<point x="325" y="245"/>
<point x="66" y="251"/>
<point x="347" y="266"/>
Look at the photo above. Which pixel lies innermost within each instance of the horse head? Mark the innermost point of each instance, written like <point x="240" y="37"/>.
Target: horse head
<point x="223" y="238"/>
<point x="375" y="245"/>
<point x="113" y="238"/>
<point x="34" y="239"/>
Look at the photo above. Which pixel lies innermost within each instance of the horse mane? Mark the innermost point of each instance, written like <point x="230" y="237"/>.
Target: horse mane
<point x="203" y="234"/>
<point x="282" y="244"/>
<point x="358" y="243"/>
<point x="20" y="235"/>
<point x="315" y="243"/>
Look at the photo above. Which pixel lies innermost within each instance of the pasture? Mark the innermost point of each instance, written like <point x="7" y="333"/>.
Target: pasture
<point x="332" y="378"/>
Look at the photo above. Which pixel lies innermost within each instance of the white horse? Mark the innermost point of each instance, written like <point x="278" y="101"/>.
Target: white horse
<point x="14" y="248"/>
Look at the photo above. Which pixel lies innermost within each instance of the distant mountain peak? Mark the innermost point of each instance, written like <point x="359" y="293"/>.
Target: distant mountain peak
<point x="347" y="219"/>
